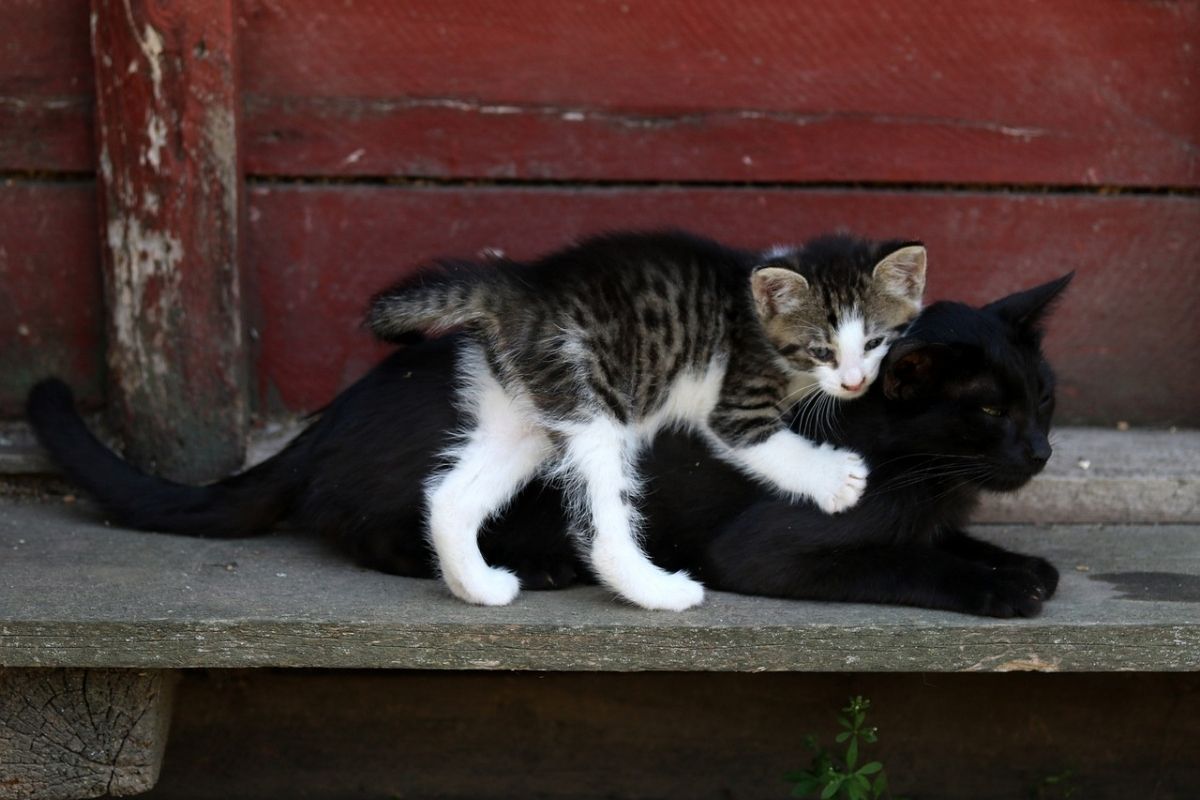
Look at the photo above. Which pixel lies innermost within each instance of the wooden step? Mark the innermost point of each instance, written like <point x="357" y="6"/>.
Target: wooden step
<point x="81" y="594"/>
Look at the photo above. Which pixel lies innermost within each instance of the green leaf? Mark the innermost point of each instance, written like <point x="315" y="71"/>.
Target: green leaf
<point x="843" y="736"/>
<point x="832" y="788"/>
<point x="870" y="768"/>
<point x="881" y="785"/>
<point x="858" y="719"/>
<point x="852" y="754"/>
<point x="845" y="723"/>
<point x="804" y="788"/>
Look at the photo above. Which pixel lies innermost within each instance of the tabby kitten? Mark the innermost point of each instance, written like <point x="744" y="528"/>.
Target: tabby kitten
<point x="578" y="359"/>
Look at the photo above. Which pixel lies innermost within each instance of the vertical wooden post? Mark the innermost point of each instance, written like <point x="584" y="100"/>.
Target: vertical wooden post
<point x="169" y="189"/>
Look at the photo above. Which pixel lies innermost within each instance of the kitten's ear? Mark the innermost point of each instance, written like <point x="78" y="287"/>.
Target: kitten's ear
<point x="777" y="290"/>
<point x="913" y="367"/>
<point x="902" y="272"/>
<point x="1029" y="309"/>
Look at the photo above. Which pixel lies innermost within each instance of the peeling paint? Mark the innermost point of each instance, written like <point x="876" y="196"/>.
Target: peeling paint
<point x="151" y="45"/>
<point x="156" y="134"/>
<point x="635" y="119"/>
<point x="142" y="257"/>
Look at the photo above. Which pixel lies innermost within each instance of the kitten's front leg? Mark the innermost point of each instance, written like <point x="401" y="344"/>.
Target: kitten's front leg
<point x="833" y="478"/>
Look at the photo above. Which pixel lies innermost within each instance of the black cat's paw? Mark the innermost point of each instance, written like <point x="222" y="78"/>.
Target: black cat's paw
<point x="546" y="576"/>
<point x="1045" y="572"/>
<point x="1010" y="592"/>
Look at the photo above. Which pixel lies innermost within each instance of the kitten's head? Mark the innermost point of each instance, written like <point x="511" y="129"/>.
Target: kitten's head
<point x="833" y="306"/>
<point x="972" y="384"/>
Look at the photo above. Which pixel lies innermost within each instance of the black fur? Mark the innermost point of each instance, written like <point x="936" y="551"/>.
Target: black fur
<point x="357" y="475"/>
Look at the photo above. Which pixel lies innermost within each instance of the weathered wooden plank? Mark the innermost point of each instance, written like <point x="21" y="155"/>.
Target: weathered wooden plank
<point x="67" y="734"/>
<point x="319" y="251"/>
<point x="46" y="86"/>
<point x="80" y="593"/>
<point x="698" y="736"/>
<point x="170" y="180"/>
<point x="51" y="304"/>
<point x="1068" y="91"/>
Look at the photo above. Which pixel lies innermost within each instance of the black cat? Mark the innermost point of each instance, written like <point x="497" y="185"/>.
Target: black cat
<point x="963" y="404"/>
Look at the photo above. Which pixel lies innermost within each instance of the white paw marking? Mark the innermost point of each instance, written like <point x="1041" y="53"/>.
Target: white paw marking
<point x="838" y="478"/>
<point x="495" y="587"/>
<point x="668" y="591"/>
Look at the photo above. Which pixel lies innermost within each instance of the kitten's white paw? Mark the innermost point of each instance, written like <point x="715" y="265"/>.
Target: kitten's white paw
<point x="839" y="478"/>
<point x="670" y="591"/>
<point x="493" y="587"/>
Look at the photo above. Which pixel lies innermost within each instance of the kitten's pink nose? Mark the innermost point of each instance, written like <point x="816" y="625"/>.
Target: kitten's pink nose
<point x="855" y="387"/>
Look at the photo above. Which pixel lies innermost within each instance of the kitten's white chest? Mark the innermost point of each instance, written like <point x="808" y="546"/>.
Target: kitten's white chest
<point x="692" y="397"/>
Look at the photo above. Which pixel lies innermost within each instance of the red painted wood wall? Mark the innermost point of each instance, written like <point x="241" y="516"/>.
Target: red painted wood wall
<point x="1018" y="138"/>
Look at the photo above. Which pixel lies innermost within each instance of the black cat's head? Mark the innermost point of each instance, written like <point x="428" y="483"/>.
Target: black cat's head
<point x="973" y="385"/>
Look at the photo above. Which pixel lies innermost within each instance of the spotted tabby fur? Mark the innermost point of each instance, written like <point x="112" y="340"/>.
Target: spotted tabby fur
<point x="579" y="358"/>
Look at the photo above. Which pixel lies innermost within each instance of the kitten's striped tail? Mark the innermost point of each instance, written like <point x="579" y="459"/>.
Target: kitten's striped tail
<point x="436" y="299"/>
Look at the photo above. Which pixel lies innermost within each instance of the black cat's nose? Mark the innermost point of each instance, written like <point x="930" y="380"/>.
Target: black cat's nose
<point x="1038" y="451"/>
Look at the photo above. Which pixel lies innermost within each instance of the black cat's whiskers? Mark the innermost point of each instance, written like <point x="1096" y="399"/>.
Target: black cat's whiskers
<point x="979" y="467"/>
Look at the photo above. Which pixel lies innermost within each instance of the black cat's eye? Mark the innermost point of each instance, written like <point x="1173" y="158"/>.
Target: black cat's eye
<point x="873" y="343"/>
<point x="821" y="353"/>
<point x="992" y="411"/>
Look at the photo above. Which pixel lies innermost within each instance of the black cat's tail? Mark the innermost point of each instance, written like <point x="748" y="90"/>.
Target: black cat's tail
<point x="447" y="295"/>
<point x="242" y="505"/>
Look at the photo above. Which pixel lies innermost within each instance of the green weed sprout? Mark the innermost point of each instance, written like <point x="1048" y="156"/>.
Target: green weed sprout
<point x="831" y="777"/>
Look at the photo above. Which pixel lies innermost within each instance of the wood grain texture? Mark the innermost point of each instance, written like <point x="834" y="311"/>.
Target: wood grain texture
<point x="169" y="184"/>
<point x="51" y="298"/>
<point x="1068" y="91"/>
<point x="84" y="594"/>
<point x="1059" y="91"/>
<point x="46" y="86"/>
<point x="68" y="734"/>
<point x="697" y="736"/>
<point x="320" y="252"/>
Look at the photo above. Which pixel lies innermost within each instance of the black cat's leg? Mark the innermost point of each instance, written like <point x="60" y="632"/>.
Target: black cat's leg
<point x="532" y="539"/>
<point x="965" y="546"/>
<point x="755" y="439"/>
<point x="772" y="550"/>
<point x="399" y="548"/>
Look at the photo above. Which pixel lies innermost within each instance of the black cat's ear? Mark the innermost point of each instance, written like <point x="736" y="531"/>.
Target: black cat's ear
<point x="1029" y="309"/>
<point x="914" y="367"/>
<point x="902" y="272"/>
<point x="777" y="290"/>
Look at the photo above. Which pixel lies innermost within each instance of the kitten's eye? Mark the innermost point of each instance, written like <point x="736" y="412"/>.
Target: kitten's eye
<point x="821" y="353"/>
<point x="873" y="343"/>
<point x="992" y="411"/>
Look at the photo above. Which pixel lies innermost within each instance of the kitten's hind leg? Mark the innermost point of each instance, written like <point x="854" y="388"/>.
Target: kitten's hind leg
<point x="494" y="464"/>
<point x="599" y="454"/>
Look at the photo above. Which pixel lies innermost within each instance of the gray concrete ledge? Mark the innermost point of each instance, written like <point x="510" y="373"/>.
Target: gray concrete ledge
<point x="76" y="593"/>
<point x="1096" y="475"/>
<point x="1107" y="475"/>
